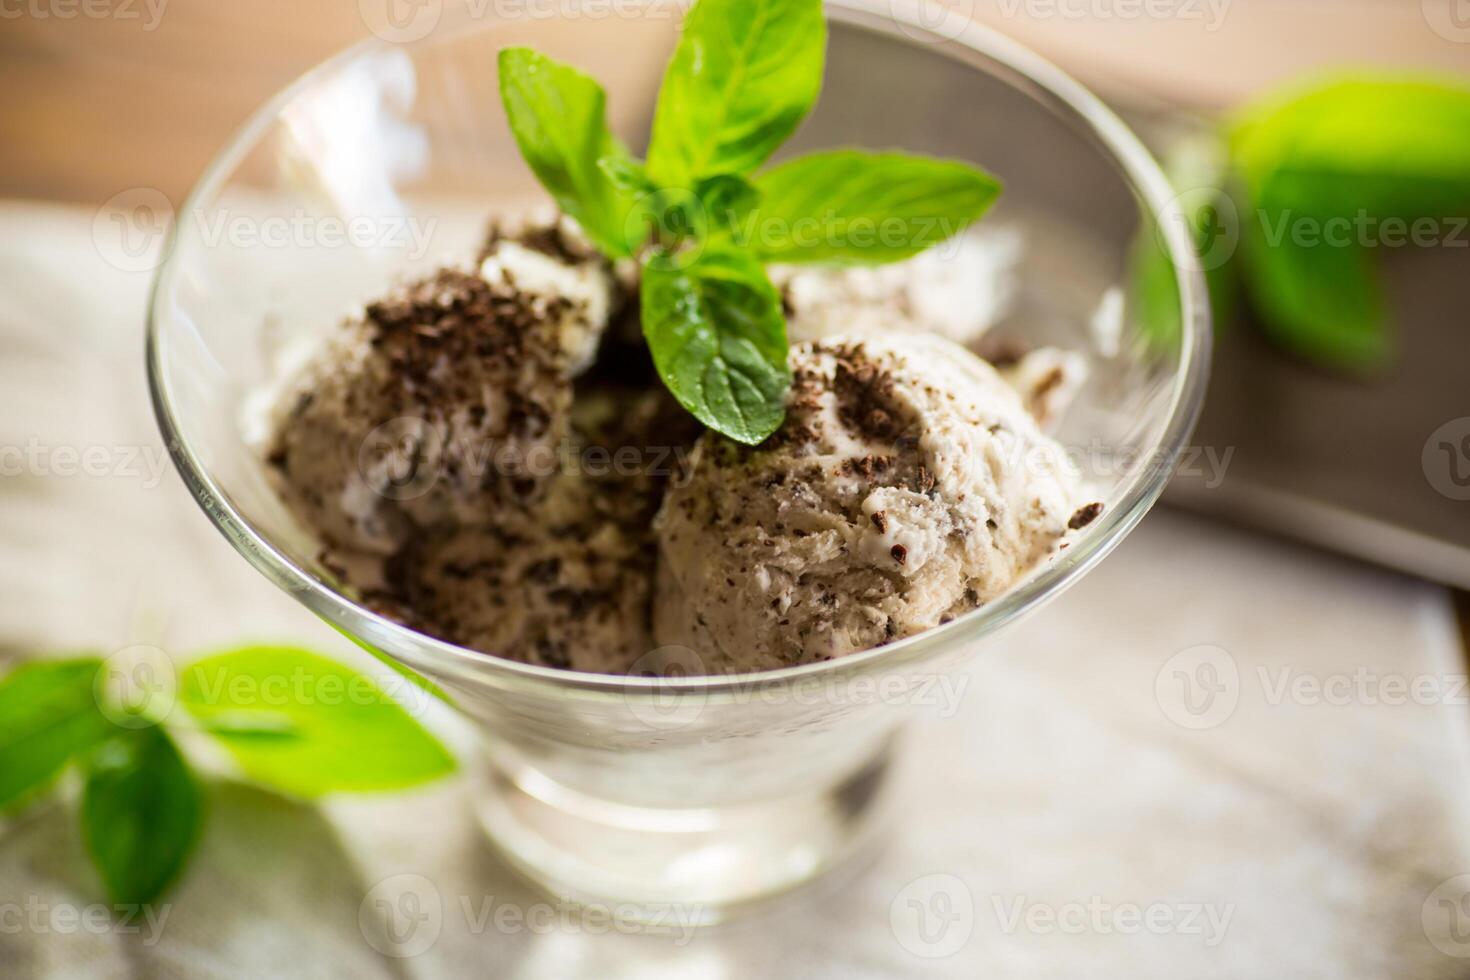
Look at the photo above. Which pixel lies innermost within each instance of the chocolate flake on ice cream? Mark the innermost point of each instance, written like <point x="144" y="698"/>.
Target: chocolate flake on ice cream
<point x="483" y="456"/>
<point x="908" y="485"/>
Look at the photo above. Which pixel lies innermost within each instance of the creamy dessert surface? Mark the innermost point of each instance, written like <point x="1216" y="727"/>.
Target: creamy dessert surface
<point x="487" y="456"/>
<point x="444" y="400"/>
<point x="907" y="486"/>
<point x="957" y="289"/>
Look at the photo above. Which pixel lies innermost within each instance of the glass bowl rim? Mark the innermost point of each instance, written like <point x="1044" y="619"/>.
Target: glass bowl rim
<point x="1136" y="165"/>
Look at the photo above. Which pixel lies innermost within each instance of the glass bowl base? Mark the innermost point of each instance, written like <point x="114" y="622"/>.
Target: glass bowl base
<point x="675" y="867"/>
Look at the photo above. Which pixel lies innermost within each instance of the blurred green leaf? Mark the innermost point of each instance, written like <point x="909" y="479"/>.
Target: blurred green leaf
<point x="414" y="677"/>
<point x="1154" y="291"/>
<point x="1197" y="166"/>
<point x="1325" y="166"/>
<point x="1389" y="146"/>
<point x="142" y="812"/>
<point x="727" y="199"/>
<point x="48" y="714"/>
<point x="260" y="724"/>
<point x="1322" y="301"/>
<point x="348" y="735"/>
<point x="627" y="173"/>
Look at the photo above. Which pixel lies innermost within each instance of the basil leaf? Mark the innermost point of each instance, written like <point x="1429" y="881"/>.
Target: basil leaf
<point x="142" y="812"/>
<point x="48" y="714"/>
<point x="345" y="733"/>
<point x="559" y="119"/>
<point x="744" y="75"/>
<point x="1388" y="147"/>
<point x="850" y="206"/>
<point x="718" y="339"/>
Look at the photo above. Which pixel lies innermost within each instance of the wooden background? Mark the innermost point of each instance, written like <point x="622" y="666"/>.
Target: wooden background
<point x="104" y="95"/>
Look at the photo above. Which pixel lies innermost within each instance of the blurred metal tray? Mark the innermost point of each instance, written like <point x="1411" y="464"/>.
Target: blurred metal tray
<point x="1376" y="468"/>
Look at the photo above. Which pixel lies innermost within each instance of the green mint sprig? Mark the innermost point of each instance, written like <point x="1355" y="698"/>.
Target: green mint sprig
<point x="1313" y="179"/>
<point x="703" y="222"/>
<point x="292" y="721"/>
<point x="1354" y="153"/>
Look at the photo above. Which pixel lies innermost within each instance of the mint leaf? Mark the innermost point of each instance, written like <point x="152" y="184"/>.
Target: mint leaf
<point x="727" y="199"/>
<point x="48" y="715"/>
<point x="718" y="339"/>
<point x="627" y="174"/>
<point x="412" y="676"/>
<point x="1323" y="168"/>
<point x="340" y="731"/>
<point x="141" y="814"/>
<point x="850" y="206"/>
<point x="1387" y="146"/>
<point x="744" y="75"/>
<point x="1153" y="291"/>
<point x="559" y="119"/>
<point x="1321" y="301"/>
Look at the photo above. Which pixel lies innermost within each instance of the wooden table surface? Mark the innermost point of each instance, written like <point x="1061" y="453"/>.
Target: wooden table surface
<point x="145" y="95"/>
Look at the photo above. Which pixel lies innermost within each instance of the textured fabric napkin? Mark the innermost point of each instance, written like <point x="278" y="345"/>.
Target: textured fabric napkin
<point x="1218" y="756"/>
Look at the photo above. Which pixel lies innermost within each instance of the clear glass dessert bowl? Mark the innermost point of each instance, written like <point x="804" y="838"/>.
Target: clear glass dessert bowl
<point x="709" y="793"/>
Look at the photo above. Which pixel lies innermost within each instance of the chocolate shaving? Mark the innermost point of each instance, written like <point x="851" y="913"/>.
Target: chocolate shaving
<point x="1084" y="516"/>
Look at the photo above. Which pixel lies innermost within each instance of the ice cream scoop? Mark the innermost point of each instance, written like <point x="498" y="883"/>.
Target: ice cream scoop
<point x="565" y="580"/>
<point x="907" y="486"/>
<point x="958" y="289"/>
<point x="444" y="402"/>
